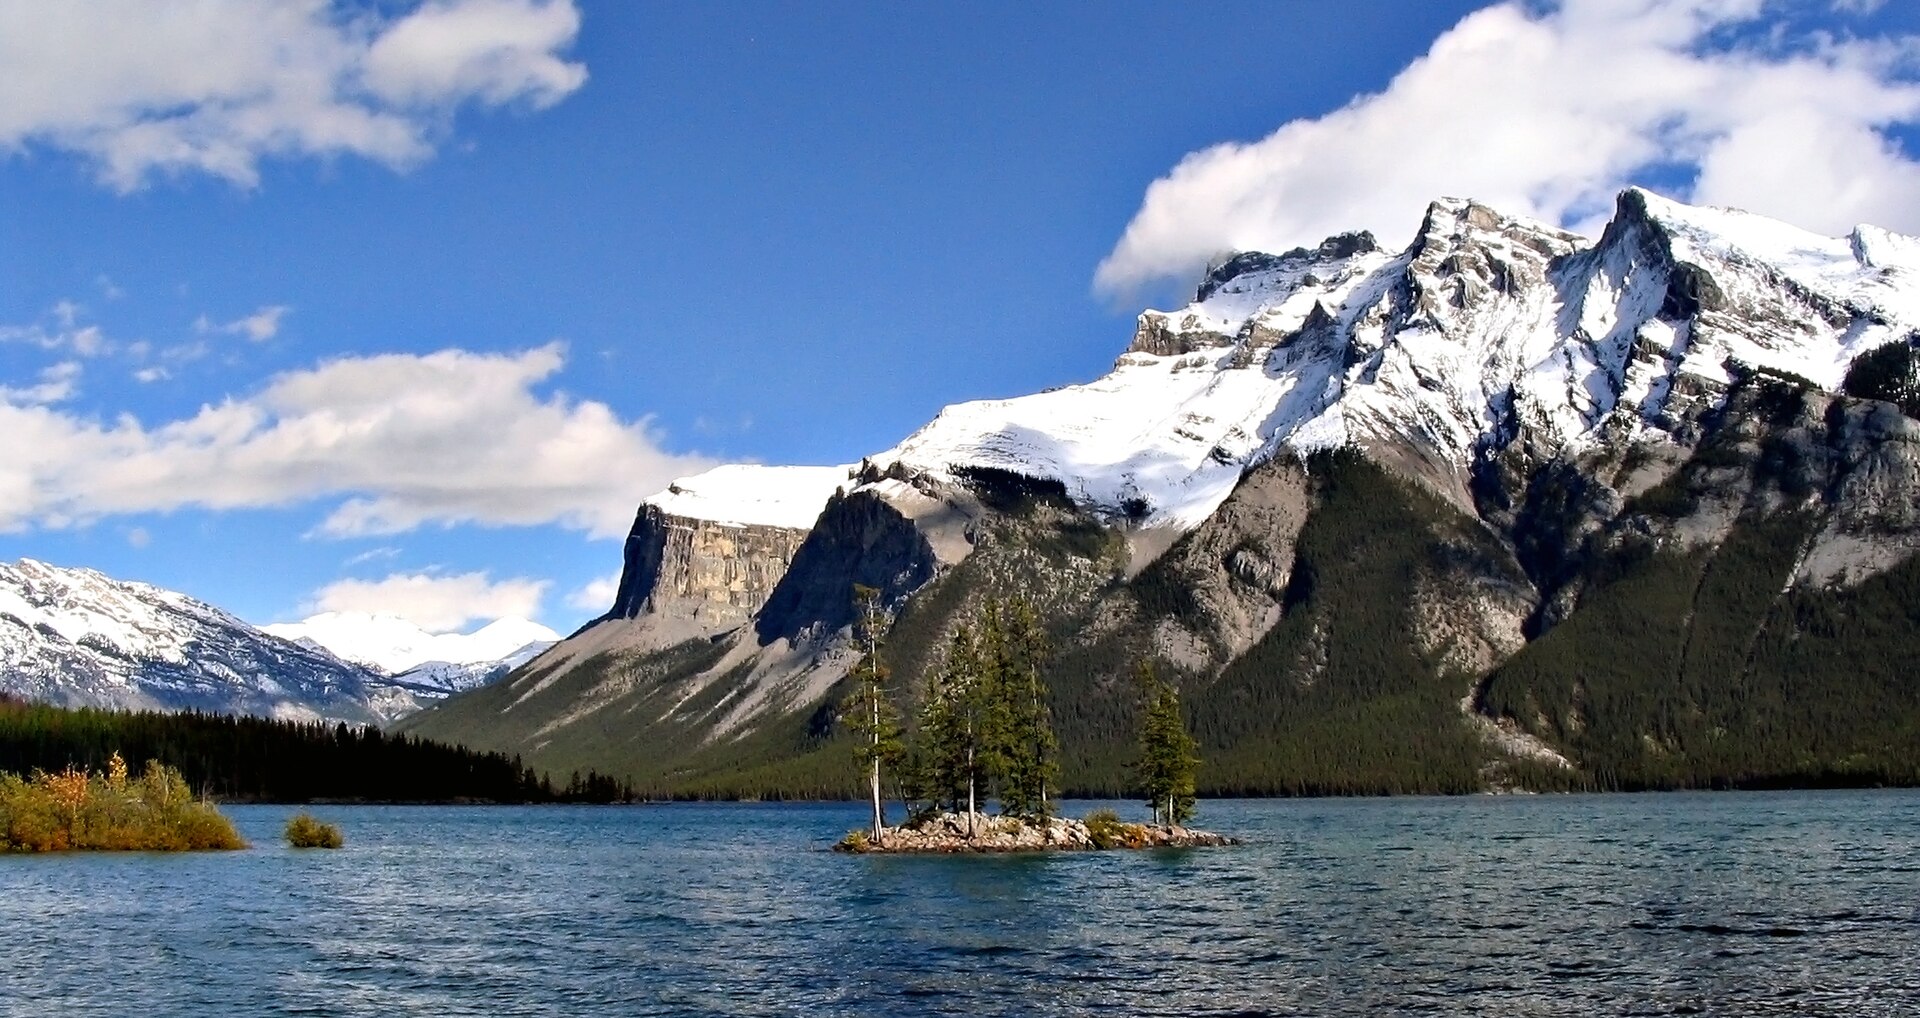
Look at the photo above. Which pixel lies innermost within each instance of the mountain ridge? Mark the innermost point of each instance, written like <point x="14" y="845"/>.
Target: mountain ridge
<point x="1556" y="395"/>
<point x="76" y="637"/>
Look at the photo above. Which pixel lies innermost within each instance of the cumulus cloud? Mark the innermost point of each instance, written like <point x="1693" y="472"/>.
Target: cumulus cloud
<point x="1547" y="111"/>
<point x="392" y="441"/>
<point x="435" y="603"/>
<point x="597" y="596"/>
<point x="141" y="87"/>
<point x="259" y="327"/>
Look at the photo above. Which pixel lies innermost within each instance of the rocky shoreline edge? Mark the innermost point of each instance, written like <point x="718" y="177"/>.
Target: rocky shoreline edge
<point x="951" y="833"/>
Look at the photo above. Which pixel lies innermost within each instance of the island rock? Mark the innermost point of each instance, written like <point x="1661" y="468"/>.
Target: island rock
<point x="950" y="833"/>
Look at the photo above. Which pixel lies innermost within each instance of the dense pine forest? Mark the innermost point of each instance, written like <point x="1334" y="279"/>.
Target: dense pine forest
<point x="250" y="759"/>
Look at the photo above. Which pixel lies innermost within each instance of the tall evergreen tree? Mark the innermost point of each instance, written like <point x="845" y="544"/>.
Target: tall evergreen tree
<point x="992" y="700"/>
<point x="1029" y="756"/>
<point x="1169" y="756"/>
<point x="868" y="711"/>
<point x="951" y="724"/>
<point x="984" y="723"/>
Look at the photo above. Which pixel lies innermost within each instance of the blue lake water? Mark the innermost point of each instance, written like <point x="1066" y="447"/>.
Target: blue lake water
<point x="1720" y="904"/>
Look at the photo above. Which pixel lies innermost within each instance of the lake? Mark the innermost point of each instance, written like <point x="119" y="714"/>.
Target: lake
<point x="1797" y="903"/>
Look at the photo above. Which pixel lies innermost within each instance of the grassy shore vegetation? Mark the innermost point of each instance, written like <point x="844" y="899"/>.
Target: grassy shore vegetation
<point x="306" y="831"/>
<point x="262" y="760"/>
<point x="74" y="810"/>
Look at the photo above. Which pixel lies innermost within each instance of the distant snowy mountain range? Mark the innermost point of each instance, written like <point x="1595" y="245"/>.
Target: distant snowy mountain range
<point x="75" y="637"/>
<point x="430" y="662"/>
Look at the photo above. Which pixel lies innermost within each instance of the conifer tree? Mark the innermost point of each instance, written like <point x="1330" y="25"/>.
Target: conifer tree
<point x="991" y="702"/>
<point x="951" y="726"/>
<point x="984" y="723"/>
<point x="868" y="711"/>
<point x="1029" y="756"/>
<point x="1169" y="755"/>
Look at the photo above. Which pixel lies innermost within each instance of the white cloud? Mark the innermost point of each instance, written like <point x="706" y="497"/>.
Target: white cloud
<point x="435" y="603"/>
<point x="138" y="537"/>
<point x="259" y="327"/>
<point x="149" y="375"/>
<point x="597" y="596"/>
<point x="142" y="87"/>
<point x="405" y="440"/>
<point x="1547" y="112"/>
<point x="57" y="384"/>
<point x="496" y="51"/>
<point x="374" y="555"/>
<point x="60" y="330"/>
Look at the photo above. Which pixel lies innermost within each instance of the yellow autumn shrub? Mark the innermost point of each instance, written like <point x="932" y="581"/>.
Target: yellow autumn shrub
<point x="80" y="810"/>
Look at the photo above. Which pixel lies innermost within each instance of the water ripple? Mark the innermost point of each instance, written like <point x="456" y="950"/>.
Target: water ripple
<point x="1750" y="904"/>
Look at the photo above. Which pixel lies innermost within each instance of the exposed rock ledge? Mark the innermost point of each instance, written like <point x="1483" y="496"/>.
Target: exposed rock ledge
<point x="946" y="833"/>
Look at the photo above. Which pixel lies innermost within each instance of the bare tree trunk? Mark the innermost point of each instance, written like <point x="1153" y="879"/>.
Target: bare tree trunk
<point x="879" y="817"/>
<point x="969" y="792"/>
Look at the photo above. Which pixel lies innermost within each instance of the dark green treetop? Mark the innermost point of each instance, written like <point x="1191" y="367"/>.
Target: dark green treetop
<point x="1169" y="756"/>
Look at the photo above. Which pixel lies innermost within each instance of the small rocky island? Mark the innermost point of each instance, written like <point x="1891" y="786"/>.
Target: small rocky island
<point x="984" y="726"/>
<point x="951" y="833"/>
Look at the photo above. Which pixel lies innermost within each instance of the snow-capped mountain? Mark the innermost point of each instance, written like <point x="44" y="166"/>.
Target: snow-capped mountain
<point x="1705" y="421"/>
<point x="751" y="495"/>
<point x="75" y="637"/>
<point x="1484" y="324"/>
<point x="432" y="664"/>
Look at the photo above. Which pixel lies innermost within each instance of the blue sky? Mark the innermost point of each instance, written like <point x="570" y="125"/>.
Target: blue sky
<point x="411" y="309"/>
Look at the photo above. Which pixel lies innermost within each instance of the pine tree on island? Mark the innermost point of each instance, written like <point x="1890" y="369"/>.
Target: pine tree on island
<point x="984" y="722"/>
<point x="868" y="710"/>
<point x="984" y="730"/>
<point x="953" y="722"/>
<point x="1028" y="754"/>
<point x="1169" y="756"/>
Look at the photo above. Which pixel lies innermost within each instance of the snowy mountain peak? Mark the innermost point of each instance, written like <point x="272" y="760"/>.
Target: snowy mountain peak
<point x="1485" y="327"/>
<point x="80" y="638"/>
<point x="1483" y="324"/>
<point x="82" y="605"/>
<point x="1336" y="248"/>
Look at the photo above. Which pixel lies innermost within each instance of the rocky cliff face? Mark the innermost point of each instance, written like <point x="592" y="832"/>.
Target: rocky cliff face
<point x="860" y="539"/>
<point x="716" y="573"/>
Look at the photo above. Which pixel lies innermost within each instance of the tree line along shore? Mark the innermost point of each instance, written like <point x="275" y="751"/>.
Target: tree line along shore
<point x="248" y="759"/>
